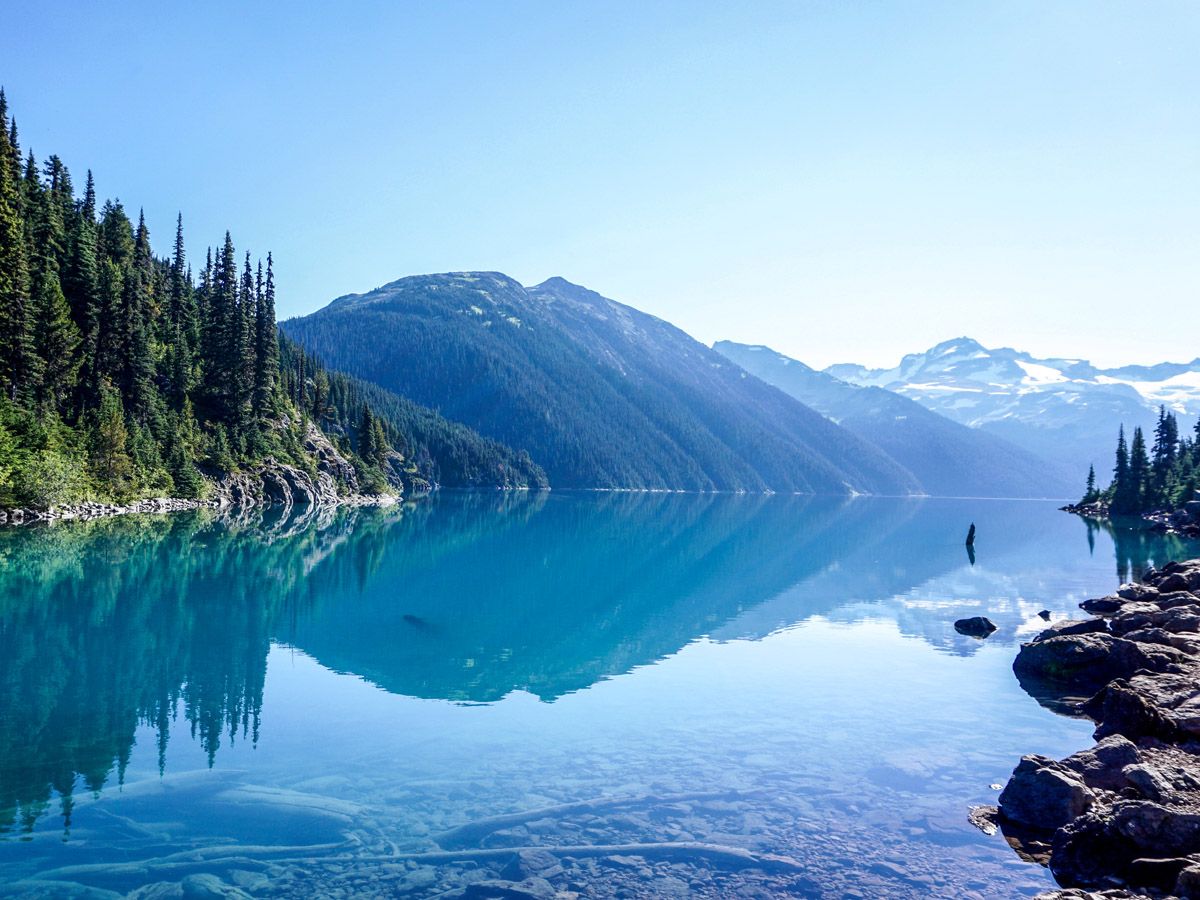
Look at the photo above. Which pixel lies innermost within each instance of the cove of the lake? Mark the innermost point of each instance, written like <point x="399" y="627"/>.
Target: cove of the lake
<point x="648" y="694"/>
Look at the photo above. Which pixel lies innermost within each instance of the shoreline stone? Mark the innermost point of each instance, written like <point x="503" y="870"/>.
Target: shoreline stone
<point x="1121" y="819"/>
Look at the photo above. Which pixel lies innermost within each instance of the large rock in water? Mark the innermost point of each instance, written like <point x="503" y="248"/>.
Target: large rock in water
<point x="976" y="626"/>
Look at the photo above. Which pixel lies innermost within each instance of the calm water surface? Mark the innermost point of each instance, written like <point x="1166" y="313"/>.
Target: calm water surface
<point x="311" y="705"/>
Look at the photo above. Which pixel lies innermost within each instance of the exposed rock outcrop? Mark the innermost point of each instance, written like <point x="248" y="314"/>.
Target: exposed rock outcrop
<point x="1124" y="815"/>
<point x="332" y="481"/>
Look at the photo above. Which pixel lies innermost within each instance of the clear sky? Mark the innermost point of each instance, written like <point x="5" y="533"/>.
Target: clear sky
<point x="846" y="181"/>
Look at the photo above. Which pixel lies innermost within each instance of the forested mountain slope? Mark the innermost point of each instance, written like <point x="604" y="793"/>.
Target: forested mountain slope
<point x="600" y="394"/>
<point x="438" y="452"/>
<point x="950" y="459"/>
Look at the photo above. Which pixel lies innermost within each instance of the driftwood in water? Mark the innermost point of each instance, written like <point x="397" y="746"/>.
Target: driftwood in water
<point x="971" y="535"/>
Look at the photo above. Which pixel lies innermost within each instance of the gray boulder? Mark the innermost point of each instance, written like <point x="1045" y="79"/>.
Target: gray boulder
<point x="1045" y="794"/>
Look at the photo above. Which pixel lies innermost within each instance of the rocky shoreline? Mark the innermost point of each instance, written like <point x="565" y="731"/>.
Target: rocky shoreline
<point x="333" y="483"/>
<point x="1121" y="819"/>
<point x="1185" y="520"/>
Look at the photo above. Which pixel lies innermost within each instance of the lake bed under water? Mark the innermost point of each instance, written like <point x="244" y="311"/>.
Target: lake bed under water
<point x="644" y="695"/>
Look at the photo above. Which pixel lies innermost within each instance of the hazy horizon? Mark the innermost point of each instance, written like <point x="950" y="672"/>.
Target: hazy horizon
<point x="844" y="183"/>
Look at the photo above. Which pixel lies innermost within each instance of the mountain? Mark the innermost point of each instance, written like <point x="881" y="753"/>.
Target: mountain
<point x="600" y="394"/>
<point x="950" y="459"/>
<point x="1065" y="410"/>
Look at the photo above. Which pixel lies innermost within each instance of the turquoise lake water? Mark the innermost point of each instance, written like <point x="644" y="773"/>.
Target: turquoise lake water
<point x="675" y="695"/>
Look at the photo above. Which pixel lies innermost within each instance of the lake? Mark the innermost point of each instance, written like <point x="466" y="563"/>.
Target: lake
<point x="647" y="694"/>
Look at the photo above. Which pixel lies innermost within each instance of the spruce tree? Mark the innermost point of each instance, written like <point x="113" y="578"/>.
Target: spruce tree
<point x="320" y="395"/>
<point x="55" y="335"/>
<point x="266" y="342"/>
<point x="110" y="347"/>
<point x="87" y="208"/>
<point x="1089" y="493"/>
<point x="138" y="303"/>
<point x="16" y="324"/>
<point x="81" y="285"/>
<point x="181" y="325"/>
<point x="1139" y="471"/>
<point x="116" y="234"/>
<point x="1121" y="484"/>
<point x="246" y="329"/>
<point x="108" y="444"/>
<point x="56" y="342"/>
<point x="366" y="434"/>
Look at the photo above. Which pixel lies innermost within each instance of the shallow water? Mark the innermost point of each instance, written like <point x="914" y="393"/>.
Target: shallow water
<point x="762" y="695"/>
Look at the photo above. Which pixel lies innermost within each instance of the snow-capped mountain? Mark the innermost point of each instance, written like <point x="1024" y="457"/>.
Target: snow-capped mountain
<point x="1063" y="409"/>
<point x="948" y="458"/>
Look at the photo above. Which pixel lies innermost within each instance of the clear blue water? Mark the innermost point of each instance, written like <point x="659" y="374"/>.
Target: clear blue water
<point x="304" y="706"/>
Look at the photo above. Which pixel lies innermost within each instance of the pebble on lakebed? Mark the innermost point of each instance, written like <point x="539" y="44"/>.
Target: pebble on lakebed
<point x="1121" y="819"/>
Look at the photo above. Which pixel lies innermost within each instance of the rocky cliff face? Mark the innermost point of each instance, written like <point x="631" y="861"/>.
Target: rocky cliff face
<point x="276" y="483"/>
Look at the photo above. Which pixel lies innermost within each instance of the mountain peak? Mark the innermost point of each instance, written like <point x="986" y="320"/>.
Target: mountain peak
<point x="558" y="283"/>
<point x="956" y="347"/>
<point x="731" y="349"/>
<point x="559" y="288"/>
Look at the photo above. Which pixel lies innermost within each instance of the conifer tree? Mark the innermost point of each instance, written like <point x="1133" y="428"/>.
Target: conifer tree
<point x="366" y="434"/>
<point x="1139" y="471"/>
<point x="1122" y="501"/>
<point x="181" y="325"/>
<point x="1163" y="455"/>
<point x="138" y="304"/>
<point x="110" y="347"/>
<point x="1089" y="493"/>
<point x="109" y="440"/>
<point x="56" y="342"/>
<point x="55" y="336"/>
<point x="320" y="395"/>
<point x="81" y="286"/>
<point x="88" y="207"/>
<point x="16" y="326"/>
<point x="247" y="329"/>
<point x="266" y="342"/>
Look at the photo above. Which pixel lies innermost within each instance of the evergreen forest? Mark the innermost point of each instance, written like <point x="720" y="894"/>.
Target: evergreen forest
<point x="1146" y="478"/>
<point x="125" y="374"/>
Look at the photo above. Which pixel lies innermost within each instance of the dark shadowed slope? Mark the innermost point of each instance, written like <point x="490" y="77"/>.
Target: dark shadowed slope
<point x="602" y="395"/>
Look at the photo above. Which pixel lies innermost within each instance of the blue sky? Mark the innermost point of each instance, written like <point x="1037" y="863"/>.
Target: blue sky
<point x="846" y="181"/>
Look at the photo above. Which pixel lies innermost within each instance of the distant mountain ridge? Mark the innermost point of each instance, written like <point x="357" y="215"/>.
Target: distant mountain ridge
<point x="1066" y="410"/>
<point x="950" y="459"/>
<point x="600" y="394"/>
